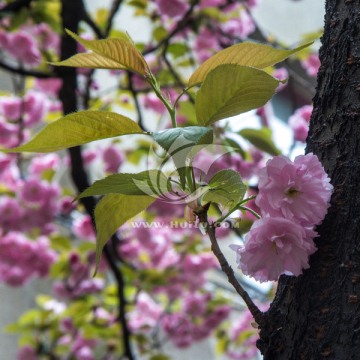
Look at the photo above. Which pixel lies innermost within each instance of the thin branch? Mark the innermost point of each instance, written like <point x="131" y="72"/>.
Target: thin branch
<point x="114" y="9"/>
<point x="134" y="94"/>
<point x="226" y="268"/>
<point x="24" y="72"/>
<point x="95" y="28"/>
<point x="15" y="6"/>
<point x="182" y="24"/>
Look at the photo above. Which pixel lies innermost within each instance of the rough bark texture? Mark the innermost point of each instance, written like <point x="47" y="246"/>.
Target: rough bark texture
<point x="317" y="315"/>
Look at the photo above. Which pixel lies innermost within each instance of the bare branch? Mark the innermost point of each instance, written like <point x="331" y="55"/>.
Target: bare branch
<point x="226" y="268"/>
<point x="25" y="72"/>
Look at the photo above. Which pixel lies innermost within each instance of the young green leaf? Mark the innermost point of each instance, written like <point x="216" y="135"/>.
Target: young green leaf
<point x="230" y="90"/>
<point x="77" y="129"/>
<point x="183" y="143"/>
<point x="251" y="54"/>
<point x="111" y="212"/>
<point x="226" y="189"/>
<point x="91" y="61"/>
<point x="149" y="182"/>
<point x="172" y="140"/>
<point x="121" y="51"/>
<point x="261" y="138"/>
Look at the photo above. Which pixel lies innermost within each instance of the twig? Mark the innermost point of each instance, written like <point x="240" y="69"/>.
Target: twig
<point x="225" y="266"/>
<point x="186" y="19"/>
<point x="88" y="20"/>
<point x="14" y="6"/>
<point x="24" y="72"/>
<point x="134" y="94"/>
<point x="114" y="9"/>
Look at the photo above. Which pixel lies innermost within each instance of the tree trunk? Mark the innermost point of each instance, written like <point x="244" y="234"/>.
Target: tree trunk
<point x="317" y="315"/>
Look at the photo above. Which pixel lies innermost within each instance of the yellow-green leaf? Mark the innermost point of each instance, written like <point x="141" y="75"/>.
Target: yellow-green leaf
<point x="261" y="138"/>
<point x="123" y="52"/>
<point x="114" y="210"/>
<point x="77" y="129"/>
<point x="149" y="182"/>
<point x="225" y="188"/>
<point x="246" y="54"/>
<point x="90" y="60"/>
<point x="229" y="90"/>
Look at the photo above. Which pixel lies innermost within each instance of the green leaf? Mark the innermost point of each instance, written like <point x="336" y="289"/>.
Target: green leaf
<point x="178" y="49"/>
<point x="91" y="61"/>
<point x="230" y="90"/>
<point x="159" y="33"/>
<point x="251" y="54"/>
<point x="159" y="357"/>
<point x="121" y="51"/>
<point x="226" y="189"/>
<point x="261" y="138"/>
<point x="173" y="139"/>
<point x="150" y="182"/>
<point x="111" y="212"/>
<point x="234" y="146"/>
<point x="77" y="129"/>
<point x="183" y="143"/>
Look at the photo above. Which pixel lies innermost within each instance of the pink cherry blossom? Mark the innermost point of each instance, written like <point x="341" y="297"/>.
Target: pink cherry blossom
<point x="172" y="9"/>
<point x="35" y="106"/>
<point x="49" y="86"/>
<point x="211" y="3"/>
<point x="4" y="39"/>
<point x="89" y="155"/>
<point x="311" y="65"/>
<point x="34" y="192"/>
<point x="299" y="191"/>
<point x="179" y="328"/>
<point x="83" y="228"/>
<point x="252" y="3"/>
<point x="146" y="313"/>
<point x="275" y="246"/>
<point x="243" y="338"/>
<point x="9" y="134"/>
<point x="23" y="47"/>
<point x="48" y="39"/>
<point x="240" y="26"/>
<point x="281" y="74"/>
<point x="152" y="102"/>
<point x="299" y="122"/>
<point x="27" y="352"/>
<point x="112" y="158"/>
<point x="11" y="107"/>
<point x="22" y="258"/>
<point x="42" y="163"/>
<point x="11" y="213"/>
<point x="195" y="303"/>
<point x="206" y="44"/>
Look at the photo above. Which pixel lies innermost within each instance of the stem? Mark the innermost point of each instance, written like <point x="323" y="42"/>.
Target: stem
<point x="238" y="206"/>
<point x="226" y="268"/>
<point x="250" y="211"/>
<point x="154" y="84"/>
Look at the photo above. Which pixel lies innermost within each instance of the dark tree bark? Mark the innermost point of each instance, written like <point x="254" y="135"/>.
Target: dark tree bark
<point x="317" y="315"/>
<point x="72" y="13"/>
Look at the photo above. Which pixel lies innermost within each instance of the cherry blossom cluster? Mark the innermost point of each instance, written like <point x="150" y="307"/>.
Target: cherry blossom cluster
<point x="311" y="64"/>
<point x="293" y="198"/>
<point x="299" y="122"/>
<point x="195" y="320"/>
<point x="78" y="280"/>
<point x="22" y="258"/>
<point x="27" y="44"/>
